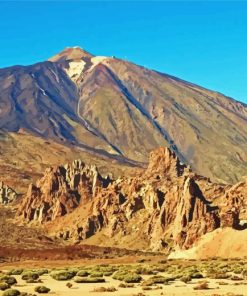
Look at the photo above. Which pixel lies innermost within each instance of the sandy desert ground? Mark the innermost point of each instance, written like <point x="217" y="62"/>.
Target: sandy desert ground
<point x="222" y="277"/>
<point x="177" y="288"/>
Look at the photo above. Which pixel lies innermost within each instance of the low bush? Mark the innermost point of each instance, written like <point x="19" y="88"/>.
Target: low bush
<point x="132" y="278"/>
<point x="144" y="271"/>
<point x="146" y="288"/>
<point x="196" y="275"/>
<point x="81" y="280"/>
<point x="222" y="283"/>
<point x="155" y="280"/>
<point x="104" y="289"/>
<point x="185" y="279"/>
<point x="236" y="278"/>
<point x="126" y="276"/>
<point x="10" y="280"/>
<point x="219" y="276"/>
<point x="4" y="286"/>
<point x="96" y="274"/>
<point x="108" y="273"/>
<point x="32" y="281"/>
<point x="29" y="275"/>
<point x="126" y="285"/>
<point x="63" y="275"/>
<point x="41" y="271"/>
<point x="11" y="292"/>
<point x="159" y="268"/>
<point x="82" y="273"/>
<point x="15" y="271"/>
<point x="42" y="289"/>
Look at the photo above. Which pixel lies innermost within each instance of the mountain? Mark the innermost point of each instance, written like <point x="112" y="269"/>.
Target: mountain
<point x="25" y="156"/>
<point x="113" y="108"/>
<point x="164" y="207"/>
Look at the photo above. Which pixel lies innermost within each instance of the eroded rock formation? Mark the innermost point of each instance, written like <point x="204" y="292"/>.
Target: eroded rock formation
<point x="165" y="205"/>
<point x="60" y="191"/>
<point x="7" y="194"/>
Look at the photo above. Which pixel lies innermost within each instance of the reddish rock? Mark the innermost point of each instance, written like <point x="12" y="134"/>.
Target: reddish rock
<point x="164" y="206"/>
<point x="60" y="191"/>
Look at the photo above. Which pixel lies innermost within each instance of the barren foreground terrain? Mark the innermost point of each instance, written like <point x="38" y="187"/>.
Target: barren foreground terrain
<point x="148" y="275"/>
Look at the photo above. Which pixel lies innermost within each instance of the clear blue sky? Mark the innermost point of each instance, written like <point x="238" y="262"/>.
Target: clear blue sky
<point x="202" y="42"/>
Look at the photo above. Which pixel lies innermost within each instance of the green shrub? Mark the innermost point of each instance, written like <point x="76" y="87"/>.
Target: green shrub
<point x="196" y="275"/>
<point x="63" y="275"/>
<point x="82" y="273"/>
<point x="155" y="280"/>
<point x="11" y="292"/>
<point x="236" y="278"/>
<point x="119" y="275"/>
<point x="4" y="286"/>
<point x="42" y="289"/>
<point x="159" y="268"/>
<point x="81" y="280"/>
<point x="29" y="275"/>
<point x="96" y="274"/>
<point x="104" y="289"/>
<point x="32" y="281"/>
<point x="10" y="280"/>
<point x="15" y="271"/>
<point x="108" y="273"/>
<point x="238" y="270"/>
<point x="158" y="279"/>
<point x="41" y="271"/>
<point x="144" y="271"/>
<point x="132" y="278"/>
<point x="126" y="276"/>
<point x="244" y="272"/>
<point x="219" y="276"/>
<point x="126" y="285"/>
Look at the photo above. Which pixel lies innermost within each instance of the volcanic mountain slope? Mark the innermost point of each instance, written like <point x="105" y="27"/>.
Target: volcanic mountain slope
<point x="24" y="157"/>
<point x="165" y="206"/>
<point x="107" y="105"/>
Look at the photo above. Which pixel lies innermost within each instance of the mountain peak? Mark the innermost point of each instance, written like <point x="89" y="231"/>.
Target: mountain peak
<point x="71" y="53"/>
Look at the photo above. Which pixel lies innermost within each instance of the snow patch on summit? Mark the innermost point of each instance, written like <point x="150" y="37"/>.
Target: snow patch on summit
<point x="97" y="60"/>
<point x="75" y="69"/>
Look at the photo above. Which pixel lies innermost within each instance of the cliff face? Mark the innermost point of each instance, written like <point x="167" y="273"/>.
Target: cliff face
<point x="165" y="205"/>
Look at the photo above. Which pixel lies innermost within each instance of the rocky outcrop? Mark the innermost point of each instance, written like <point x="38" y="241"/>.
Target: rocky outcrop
<point x="166" y="205"/>
<point x="234" y="206"/>
<point x="7" y="194"/>
<point x="167" y="198"/>
<point x="60" y="191"/>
